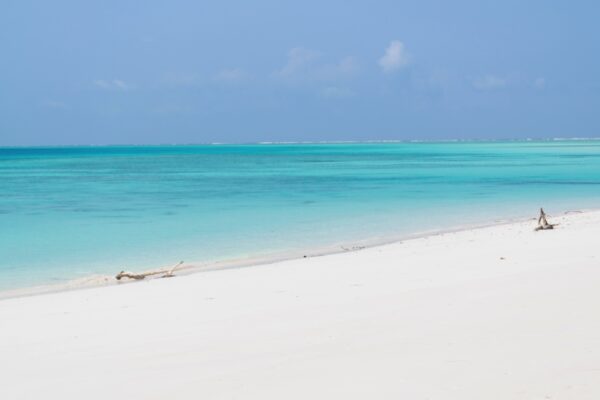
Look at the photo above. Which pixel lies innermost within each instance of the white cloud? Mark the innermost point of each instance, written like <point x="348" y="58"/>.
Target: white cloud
<point x="299" y="59"/>
<point x="345" y="68"/>
<point x="395" y="57"/>
<point x="489" y="82"/>
<point x="539" y="83"/>
<point x="305" y="65"/>
<point x="120" y="84"/>
<point x="336" y="92"/>
<point x="348" y="65"/>
<point x="114" y="84"/>
<point x="234" y="75"/>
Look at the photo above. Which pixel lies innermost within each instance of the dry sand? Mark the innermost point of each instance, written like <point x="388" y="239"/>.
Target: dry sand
<point x="493" y="313"/>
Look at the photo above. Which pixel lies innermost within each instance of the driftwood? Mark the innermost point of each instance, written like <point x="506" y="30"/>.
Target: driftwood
<point x="543" y="222"/>
<point x="167" y="273"/>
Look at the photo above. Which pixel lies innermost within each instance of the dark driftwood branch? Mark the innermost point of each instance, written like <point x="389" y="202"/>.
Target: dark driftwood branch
<point x="543" y="222"/>
<point x="167" y="273"/>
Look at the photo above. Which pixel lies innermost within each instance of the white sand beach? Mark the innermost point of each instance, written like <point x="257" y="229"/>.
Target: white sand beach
<point x="494" y="313"/>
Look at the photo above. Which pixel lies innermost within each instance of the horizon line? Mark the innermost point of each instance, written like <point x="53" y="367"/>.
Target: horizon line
<point x="382" y="141"/>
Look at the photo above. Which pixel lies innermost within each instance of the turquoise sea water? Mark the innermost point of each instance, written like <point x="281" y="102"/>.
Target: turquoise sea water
<point x="69" y="212"/>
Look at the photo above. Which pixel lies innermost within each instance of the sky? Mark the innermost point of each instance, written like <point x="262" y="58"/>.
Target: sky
<point x="163" y="72"/>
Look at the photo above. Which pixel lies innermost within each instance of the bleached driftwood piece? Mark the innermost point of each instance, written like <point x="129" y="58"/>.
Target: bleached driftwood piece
<point x="543" y="222"/>
<point x="170" y="272"/>
<point x="167" y="273"/>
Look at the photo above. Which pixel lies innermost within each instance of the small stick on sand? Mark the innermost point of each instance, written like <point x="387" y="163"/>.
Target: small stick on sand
<point x="172" y="270"/>
<point x="167" y="273"/>
<point x="543" y="222"/>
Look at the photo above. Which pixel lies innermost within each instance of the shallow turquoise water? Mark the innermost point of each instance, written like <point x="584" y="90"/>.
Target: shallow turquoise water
<point x="70" y="212"/>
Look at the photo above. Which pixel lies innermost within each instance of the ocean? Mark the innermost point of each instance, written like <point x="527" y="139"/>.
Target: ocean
<point x="72" y="212"/>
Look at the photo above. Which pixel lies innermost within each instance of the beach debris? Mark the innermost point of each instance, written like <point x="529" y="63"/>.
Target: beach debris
<point x="166" y="273"/>
<point x="353" y="248"/>
<point x="543" y="222"/>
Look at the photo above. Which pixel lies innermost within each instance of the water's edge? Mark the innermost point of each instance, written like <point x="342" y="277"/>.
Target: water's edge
<point x="96" y="281"/>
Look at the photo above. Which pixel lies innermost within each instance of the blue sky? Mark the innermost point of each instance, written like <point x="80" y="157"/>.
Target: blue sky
<point x="115" y="72"/>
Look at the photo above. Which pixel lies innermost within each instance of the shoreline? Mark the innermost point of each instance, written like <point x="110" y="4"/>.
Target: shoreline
<point x="102" y="280"/>
<point x="501" y="312"/>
